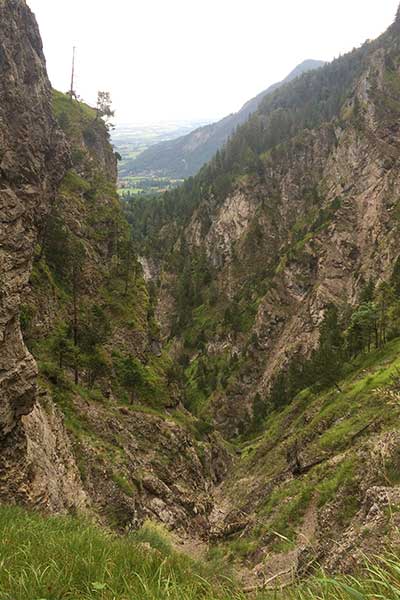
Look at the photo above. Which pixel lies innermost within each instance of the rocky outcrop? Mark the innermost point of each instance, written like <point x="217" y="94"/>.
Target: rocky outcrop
<point x="144" y="466"/>
<point x="54" y="480"/>
<point x="377" y="520"/>
<point x="228" y="226"/>
<point x="33" y="156"/>
<point x="33" y="159"/>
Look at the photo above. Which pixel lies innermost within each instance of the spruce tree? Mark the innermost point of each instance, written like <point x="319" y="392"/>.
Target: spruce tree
<point x="395" y="279"/>
<point x="327" y="361"/>
<point x="396" y="24"/>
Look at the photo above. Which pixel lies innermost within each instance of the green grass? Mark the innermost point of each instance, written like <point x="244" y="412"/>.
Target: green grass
<point x="123" y="484"/>
<point x="380" y="580"/>
<point x="325" y="424"/>
<point x="62" y="104"/>
<point x="66" y="558"/>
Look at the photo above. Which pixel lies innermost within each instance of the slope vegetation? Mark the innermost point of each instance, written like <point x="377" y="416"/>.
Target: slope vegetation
<point x="71" y="558"/>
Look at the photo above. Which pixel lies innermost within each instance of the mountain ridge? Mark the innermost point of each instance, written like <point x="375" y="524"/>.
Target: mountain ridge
<point x="184" y="156"/>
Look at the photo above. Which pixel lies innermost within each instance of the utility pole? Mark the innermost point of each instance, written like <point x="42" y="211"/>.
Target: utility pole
<point x="72" y="91"/>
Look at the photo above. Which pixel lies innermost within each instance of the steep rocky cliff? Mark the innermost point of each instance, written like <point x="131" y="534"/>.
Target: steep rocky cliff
<point x="34" y="157"/>
<point x="98" y="425"/>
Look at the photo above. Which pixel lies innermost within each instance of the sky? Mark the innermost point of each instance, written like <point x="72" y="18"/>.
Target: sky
<point x="177" y="60"/>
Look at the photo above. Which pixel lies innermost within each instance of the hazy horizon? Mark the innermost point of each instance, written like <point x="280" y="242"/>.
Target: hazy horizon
<point x="169" y="61"/>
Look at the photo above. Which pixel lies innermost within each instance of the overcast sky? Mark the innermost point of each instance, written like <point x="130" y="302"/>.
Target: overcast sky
<point x="185" y="59"/>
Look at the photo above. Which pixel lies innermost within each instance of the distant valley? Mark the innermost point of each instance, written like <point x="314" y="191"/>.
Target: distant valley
<point x="132" y="139"/>
<point x="179" y="155"/>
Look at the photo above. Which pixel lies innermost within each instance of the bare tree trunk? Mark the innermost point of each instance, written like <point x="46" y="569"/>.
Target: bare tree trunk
<point x="72" y="91"/>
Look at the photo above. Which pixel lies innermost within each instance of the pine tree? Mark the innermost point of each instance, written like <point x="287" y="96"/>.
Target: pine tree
<point x="395" y="279"/>
<point x="384" y="297"/>
<point x="367" y="292"/>
<point x="279" y="393"/>
<point x="327" y="361"/>
<point x="260" y="410"/>
<point x="103" y="106"/>
<point x="61" y="345"/>
<point x="363" y="328"/>
<point x="396" y="24"/>
<point x="131" y="374"/>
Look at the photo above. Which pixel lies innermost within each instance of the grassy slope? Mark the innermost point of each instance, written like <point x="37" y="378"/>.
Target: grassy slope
<point x="338" y="427"/>
<point x="66" y="558"/>
<point x="58" y="558"/>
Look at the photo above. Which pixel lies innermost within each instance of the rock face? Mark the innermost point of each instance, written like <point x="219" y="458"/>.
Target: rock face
<point x="33" y="158"/>
<point x="54" y="480"/>
<point x="154" y="469"/>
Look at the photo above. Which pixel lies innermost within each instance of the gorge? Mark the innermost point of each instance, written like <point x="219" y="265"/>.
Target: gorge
<point x="221" y="361"/>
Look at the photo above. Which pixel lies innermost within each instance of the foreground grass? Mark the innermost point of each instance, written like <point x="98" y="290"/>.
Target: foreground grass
<point x="65" y="558"/>
<point x="60" y="558"/>
<point x="380" y="580"/>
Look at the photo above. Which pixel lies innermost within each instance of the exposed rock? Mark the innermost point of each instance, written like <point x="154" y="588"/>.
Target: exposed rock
<point x="55" y="483"/>
<point x="156" y="471"/>
<point x="228" y="225"/>
<point x="334" y="169"/>
<point x="33" y="159"/>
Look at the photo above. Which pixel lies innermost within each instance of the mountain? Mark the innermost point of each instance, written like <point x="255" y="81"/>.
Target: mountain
<point x="184" y="156"/>
<point x="277" y="270"/>
<point x="211" y="373"/>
